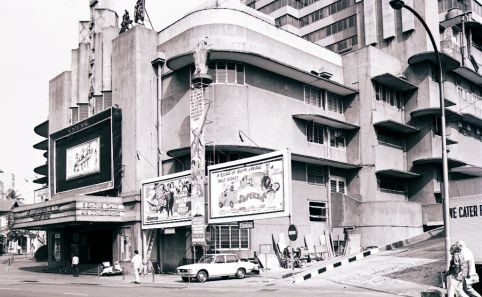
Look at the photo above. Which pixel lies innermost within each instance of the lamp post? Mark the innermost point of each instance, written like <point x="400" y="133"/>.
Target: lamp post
<point x="398" y="5"/>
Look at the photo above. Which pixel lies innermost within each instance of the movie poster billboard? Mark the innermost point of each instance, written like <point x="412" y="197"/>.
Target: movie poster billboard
<point x="256" y="187"/>
<point x="83" y="159"/>
<point x="166" y="201"/>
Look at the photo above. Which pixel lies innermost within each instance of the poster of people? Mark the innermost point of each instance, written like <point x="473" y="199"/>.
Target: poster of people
<point x="83" y="159"/>
<point x="251" y="188"/>
<point x="167" y="199"/>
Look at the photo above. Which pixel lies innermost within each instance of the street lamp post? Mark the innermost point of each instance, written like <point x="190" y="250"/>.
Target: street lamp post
<point x="398" y="5"/>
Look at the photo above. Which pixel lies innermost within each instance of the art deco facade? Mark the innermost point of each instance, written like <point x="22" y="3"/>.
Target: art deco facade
<point x="361" y="129"/>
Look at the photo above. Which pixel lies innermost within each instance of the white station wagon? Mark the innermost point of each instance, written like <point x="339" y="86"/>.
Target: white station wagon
<point x="215" y="265"/>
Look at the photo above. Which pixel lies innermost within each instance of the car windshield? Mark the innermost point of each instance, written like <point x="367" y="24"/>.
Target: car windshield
<point x="206" y="259"/>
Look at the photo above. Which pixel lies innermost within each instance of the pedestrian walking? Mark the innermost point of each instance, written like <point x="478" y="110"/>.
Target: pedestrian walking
<point x="137" y="265"/>
<point x="75" y="265"/>
<point x="455" y="277"/>
<point x="470" y="275"/>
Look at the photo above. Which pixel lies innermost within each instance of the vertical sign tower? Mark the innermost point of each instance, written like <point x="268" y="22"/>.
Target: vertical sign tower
<point x="198" y="112"/>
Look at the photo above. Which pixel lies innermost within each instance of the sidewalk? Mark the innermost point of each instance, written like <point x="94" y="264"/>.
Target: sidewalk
<point x="23" y="269"/>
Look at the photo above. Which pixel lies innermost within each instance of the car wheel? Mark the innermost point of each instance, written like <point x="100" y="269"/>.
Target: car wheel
<point x="202" y="276"/>
<point x="231" y="204"/>
<point x="241" y="273"/>
<point x="185" y="279"/>
<point x="220" y="205"/>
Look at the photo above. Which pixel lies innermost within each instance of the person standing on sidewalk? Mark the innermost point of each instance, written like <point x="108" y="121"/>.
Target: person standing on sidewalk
<point x="75" y="265"/>
<point x="470" y="275"/>
<point x="456" y="276"/>
<point x="137" y="265"/>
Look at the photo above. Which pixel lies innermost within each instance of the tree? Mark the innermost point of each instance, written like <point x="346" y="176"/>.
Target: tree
<point x="13" y="194"/>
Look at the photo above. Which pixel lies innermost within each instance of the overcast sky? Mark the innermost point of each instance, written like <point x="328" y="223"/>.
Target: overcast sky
<point x="36" y="38"/>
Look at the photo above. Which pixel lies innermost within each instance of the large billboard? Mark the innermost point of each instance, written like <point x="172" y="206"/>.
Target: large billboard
<point x="166" y="201"/>
<point x="466" y="222"/>
<point x="252" y="188"/>
<point x="86" y="157"/>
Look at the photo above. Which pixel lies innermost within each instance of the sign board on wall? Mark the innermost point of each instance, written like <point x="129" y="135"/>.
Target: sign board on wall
<point x="466" y="222"/>
<point x="166" y="201"/>
<point x="256" y="187"/>
<point x="85" y="158"/>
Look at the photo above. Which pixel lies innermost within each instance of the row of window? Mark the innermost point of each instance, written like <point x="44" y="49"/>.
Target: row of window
<point x="388" y="137"/>
<point x="273" y="6"/>
<point x="323" y="99"/>
<point x="468" y="96"/>
<point x="96" y="105"/>
<point x="388" y="95"/>
<point x="326" y="11"/>
<point x="288" y="20"/>
<point x="317" y="133"/>
<point x="343" y="45"/>
<point x="470" y="130"/>
<point x="227" y="73"/>
<point x="331" y="29"/>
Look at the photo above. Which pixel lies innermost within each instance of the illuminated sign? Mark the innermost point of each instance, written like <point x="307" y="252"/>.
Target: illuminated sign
<point x="83" y="159"/>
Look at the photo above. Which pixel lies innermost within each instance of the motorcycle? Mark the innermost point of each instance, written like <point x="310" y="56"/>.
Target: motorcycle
<point x="107" y="269"/>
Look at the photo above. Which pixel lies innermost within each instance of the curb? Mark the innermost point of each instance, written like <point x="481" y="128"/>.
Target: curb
<point x="392" y="246"/>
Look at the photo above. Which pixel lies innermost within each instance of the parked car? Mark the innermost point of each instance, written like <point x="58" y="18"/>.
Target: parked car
<point x="215" y="265"/>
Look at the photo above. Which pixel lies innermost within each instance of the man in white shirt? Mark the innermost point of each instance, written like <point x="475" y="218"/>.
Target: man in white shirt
<point x="137" y="265"/>
<point x="471" y="273"/>
<point x="75" y="265"/>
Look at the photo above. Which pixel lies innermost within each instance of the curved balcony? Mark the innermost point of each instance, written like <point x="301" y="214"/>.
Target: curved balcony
<point x="450" y="114"/>
<point x="42" y="129"/>
<point x="267" y="63"/>
<point x="448" y="63"/>
<point x="327" y="121"/>
<point x="438" y="161"/>
<point x="43" y="145"/>
<point x="41" y="181"/>
<point x="42" y="169"/>
<point x="396" y="126"/>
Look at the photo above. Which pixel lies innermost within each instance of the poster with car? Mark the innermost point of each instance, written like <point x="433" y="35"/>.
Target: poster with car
<point x="166" y="201"/>
<point x="256" y="186"/>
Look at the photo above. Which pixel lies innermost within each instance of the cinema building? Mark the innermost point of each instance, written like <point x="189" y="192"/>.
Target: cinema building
<point x="290" y="133"/>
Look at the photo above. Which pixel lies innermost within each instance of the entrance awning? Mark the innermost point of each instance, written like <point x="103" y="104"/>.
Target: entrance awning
<point x="76" y="209"/>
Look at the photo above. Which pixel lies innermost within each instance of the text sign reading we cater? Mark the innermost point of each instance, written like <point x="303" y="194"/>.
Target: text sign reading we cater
<point x="466" y="222"/>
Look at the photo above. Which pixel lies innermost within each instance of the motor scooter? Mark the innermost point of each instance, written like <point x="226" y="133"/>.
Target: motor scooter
<point x="107" y="269"/>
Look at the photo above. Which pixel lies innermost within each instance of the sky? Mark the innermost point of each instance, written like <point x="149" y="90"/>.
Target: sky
<point x="36" y="38"/>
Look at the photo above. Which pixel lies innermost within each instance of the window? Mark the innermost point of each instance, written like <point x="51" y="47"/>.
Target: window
<point x="337" y="137"/>
<point x="317" y="211"/>
<point x="315" y="174"/>
<point x="231" y="259"/>
<point x="107" y="99"/>
<point x="334" y="102"/>
<point x="388" y="95"/>
<point x="334" y="28"/>
<point x="226" y="73"/>
<point x="229" y="237"/>
<point x="391" y="138"/>
<point x="313" y="96"/>
<point x="326" y="11"/>
<point x="337" y="185"/>
<point x="391" y="185"/>
<point x="83" y="111"/>
<point x="74" y="114"/>
<point x="314" y="132"/>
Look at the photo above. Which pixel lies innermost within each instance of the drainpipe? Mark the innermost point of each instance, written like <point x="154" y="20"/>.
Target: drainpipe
<point x="464" y="42"/>
<point x="157" y="63"/>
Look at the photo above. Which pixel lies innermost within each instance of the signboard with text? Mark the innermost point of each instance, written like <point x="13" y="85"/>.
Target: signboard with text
<point x="466" y="222"/>
<point x="256" y="187"/>
<point x="166" y="201"/>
